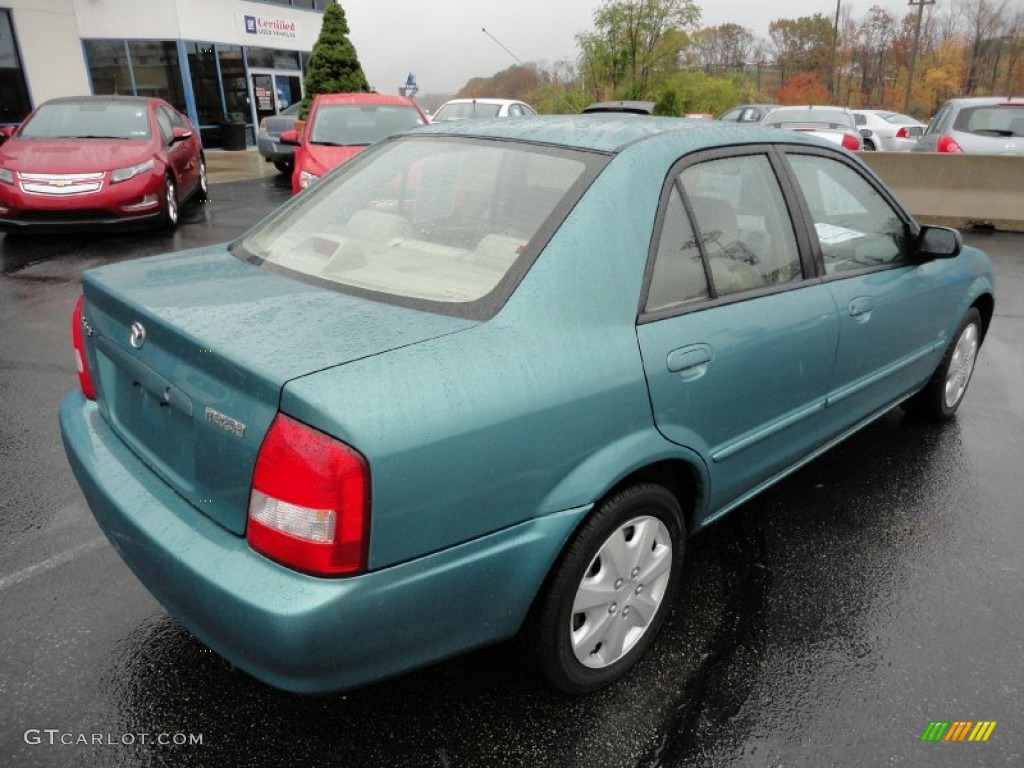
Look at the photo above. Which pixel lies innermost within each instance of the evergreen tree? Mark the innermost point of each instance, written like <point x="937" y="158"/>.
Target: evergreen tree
<point x="333" y="64"/>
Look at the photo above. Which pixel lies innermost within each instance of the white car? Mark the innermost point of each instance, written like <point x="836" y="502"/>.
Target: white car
<point x="467" y="109"/>
<point x="835" y="124"/>
<point x="887" y="131"/>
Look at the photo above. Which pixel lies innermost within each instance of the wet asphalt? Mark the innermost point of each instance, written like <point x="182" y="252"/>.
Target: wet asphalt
<point x="825" y="623"/>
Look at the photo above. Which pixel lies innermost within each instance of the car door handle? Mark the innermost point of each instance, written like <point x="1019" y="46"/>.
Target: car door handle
<point x="860" y="308"/>
<point x="692" y="360"/>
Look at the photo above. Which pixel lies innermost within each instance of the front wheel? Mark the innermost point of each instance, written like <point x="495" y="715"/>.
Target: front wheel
<point x="202" y="193"/>
<point x="944" y="392"/>
<point x="170" y="203"/>
<point x="610" y="592"/>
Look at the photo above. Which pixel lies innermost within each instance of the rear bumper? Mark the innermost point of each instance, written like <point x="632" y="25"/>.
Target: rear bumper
<point x="293" y="631"/>
<point x="274" y="151"/>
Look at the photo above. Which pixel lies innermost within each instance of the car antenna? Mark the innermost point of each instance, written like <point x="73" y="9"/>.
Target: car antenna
<point x="523" y="64"/>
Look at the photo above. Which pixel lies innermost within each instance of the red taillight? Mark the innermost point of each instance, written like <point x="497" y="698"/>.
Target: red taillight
<point x="903" y="133"/>
<point x="946" y="144"/>
<point x="309" y="506"/>
<point x="81" y="361"/>
<point x="851" y="142"/>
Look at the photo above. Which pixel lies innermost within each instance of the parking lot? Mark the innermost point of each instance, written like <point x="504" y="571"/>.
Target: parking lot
<point x="827" y="622"/>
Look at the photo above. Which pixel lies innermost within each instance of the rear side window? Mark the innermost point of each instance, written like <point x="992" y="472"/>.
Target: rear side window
<point x="678" y="277"/>
<point x="744" y="225"/>
<point x="994" y="120"/>
<point x="439" y="221"/>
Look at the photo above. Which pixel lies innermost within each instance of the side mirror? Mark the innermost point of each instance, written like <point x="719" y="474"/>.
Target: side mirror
<point x="180" y="134"/>
<point x="939" y="242"/>
<point x="289" y="137"/>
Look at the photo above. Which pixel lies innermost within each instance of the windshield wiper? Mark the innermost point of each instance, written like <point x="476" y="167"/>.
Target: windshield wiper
<point x="340" y="144"/>
<point x="90" y="136"/>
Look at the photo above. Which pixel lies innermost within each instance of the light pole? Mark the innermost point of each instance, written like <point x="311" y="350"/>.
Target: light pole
<point x="833" y="84"/>
<point x="913" y="52"/>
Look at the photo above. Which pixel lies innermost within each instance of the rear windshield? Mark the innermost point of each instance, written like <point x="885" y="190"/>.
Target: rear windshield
<point x="466" y="110"/>
<point x="352" y="124"/>
<point x="993" y="120"/>
<point x="88" y="120"/>
<point x="832" y="117"/>
<point x="435" y="223"/>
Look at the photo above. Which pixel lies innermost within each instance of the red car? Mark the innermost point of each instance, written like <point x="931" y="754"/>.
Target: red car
<point x="340" y="125"/>
<point x="96" y="161"/>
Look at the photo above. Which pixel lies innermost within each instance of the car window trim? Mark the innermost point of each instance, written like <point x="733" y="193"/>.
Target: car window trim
<point x="672" y="181"/>
<point x="911" y="227"/>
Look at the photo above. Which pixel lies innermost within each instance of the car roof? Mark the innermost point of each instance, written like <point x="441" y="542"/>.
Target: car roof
<point x="972" y="101"/>
<point x="614" y="132"/>
<point x="361" y="98"/>
<point x="86" y="99"/>
<point x="482" y="101"/>
<point x="631" y="107"/>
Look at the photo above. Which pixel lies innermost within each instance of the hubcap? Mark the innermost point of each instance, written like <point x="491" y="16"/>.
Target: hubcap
<point x="202" y="178"/>
<point x="961" y="365"/>
<point x="621" y="591"/>
<point x="172" y="202"/>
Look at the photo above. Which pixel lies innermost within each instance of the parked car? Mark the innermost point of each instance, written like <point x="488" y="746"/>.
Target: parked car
<point x="885" y="131"/>
<point x="468" y="109"/>
<point x="99" y="161"/>
<point x="626" y="107"/>
<point x="747" y="113"/>
<point x="340" y="125"/>
<point x="835" y="124"/>
<point x="268" y="139"/>
<point x="487" y="378"/>
<point x="985" y="125"/>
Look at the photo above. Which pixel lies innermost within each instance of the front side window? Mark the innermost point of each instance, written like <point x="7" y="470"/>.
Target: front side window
<point x="427" y="220"/>
<point x="743" y="223"/>
<point x="855" y="225"/>
<point x="360" y="124"/>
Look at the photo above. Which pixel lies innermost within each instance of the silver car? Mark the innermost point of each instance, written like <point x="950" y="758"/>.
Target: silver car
<point x="985" y="125"/>
<point x="886" y="131"/>
<point x="836" y="124"/>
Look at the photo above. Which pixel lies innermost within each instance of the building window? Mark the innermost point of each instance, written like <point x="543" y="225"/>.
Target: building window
<point x="156" y="71"/>
<point x="14" y="101"/>
<point x="236" y="91"/>
<point x="108" y="67"/>
<point x="271" y="58"/>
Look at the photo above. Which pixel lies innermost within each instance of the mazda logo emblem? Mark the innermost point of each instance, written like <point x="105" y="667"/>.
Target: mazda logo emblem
<point x="138" y="335"/>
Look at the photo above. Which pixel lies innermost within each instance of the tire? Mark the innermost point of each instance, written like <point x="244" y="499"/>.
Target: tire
<point x="284" y="166"/>
<point x="202" y="193"/>
<point x="944" y="392"/>
<point x="171" y="207"/>
<point x="869" y="146"/>
<point x="627" y="586"/>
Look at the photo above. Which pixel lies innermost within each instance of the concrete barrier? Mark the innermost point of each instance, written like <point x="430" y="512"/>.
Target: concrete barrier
<point x="955" y="190"/>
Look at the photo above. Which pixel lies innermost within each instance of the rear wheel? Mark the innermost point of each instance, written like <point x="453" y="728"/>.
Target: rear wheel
<point x="869" y="146"/>
<point x="610" y="592"/>
<point x="941" y="397"/>
<point x="284" y="166"/>
<point x="170" y="203"/>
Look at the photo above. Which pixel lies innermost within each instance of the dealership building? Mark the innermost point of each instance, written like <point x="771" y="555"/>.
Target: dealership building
<point x="218" y="61"/>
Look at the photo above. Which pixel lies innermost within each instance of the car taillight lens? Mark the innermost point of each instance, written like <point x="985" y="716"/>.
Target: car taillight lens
<point x="851" y="142"/>
<point x="946" y="144"/>
<point x="902" y="133"/>
<point x="78" y="321"/>
<point x="309" y="506"/>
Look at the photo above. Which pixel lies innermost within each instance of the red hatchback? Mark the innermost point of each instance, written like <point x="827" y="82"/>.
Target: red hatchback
<point x="96" y="161"/>
<point x="340" y="125"/>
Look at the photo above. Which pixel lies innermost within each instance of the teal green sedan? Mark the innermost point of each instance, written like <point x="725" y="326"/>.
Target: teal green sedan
<point x="486" y="379"/>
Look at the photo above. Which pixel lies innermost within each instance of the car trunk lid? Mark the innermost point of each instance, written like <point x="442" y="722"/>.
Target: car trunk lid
<point x="190" y="353"/>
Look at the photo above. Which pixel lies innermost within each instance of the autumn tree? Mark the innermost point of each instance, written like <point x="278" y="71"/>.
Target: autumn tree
<point x="333" y="64"/>
<point x="801" y="45"/>
<point x="805" y="88"/>
<point x="632" y="40"/>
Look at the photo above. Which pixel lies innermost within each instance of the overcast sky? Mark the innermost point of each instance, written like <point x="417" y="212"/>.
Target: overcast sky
<point x="441" y="42"/>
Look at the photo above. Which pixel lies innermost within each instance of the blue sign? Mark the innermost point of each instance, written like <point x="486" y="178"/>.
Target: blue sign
<point x="250" y="25"/>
